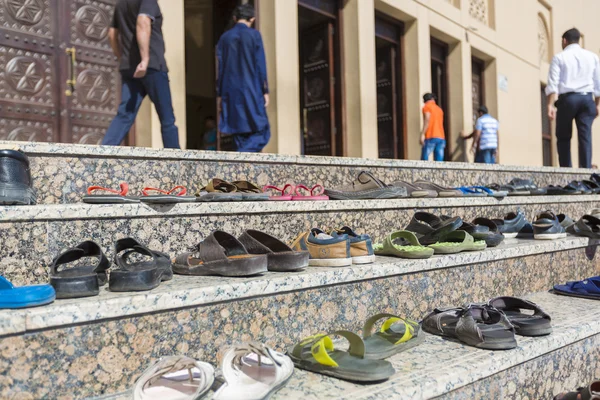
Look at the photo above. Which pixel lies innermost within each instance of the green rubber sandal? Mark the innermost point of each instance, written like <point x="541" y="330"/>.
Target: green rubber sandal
<point x="456" y="242"/>
<point x="317" y="354"/>
<point x="402" y="244"/>
<point x="396" y="335"/>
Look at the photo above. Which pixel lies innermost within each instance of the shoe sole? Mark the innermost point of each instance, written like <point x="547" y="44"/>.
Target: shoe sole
<point x="12" y="195"/>
<point x="364" y="259"/>
<point x="549" y="236"/>
<point x="330" y="262"/>
<point x="511" y="235"/>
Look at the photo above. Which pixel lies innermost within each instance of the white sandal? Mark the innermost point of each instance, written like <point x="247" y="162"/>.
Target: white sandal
<point x="174" y="378"/>
<point x="253" y="371"/>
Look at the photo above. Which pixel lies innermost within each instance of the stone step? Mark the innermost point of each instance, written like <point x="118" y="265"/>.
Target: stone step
<point x="32" y="236"/>
<point x="100" y="345"/>
<point x="62" y="172"/>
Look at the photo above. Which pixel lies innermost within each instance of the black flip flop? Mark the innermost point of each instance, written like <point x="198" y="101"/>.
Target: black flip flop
<point x="138" y="275"/>
<point x="526" y="324"/>
<point x="80" y="281"/>
<point x="280" y="256"/>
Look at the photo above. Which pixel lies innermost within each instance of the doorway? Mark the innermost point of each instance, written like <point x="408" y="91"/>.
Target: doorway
<point x="388" y="61"/>
<point x="478" y="86"/>
<point x="439" y="83"/>
<point x="546" y="130"/>
<point x="205" y="22"/>
<point x="320" y="95"/>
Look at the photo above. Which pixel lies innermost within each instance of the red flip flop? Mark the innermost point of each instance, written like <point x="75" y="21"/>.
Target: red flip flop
<point x="175" y="195"/>
<point x="316" y="193"/>
<point x="286" y="192"/>
<point x="113" y="196"/>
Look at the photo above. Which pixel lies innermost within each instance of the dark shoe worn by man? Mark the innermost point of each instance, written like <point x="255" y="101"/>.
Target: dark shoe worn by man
<point x="15" y="179"/>
<point x="143" y="69"/>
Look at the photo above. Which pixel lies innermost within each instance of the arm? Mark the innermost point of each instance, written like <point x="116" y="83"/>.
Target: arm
<point x="142" y="33"/>
<point x="476" y="137"/>
<point x="552" y="87"/>
<point x="113" y="37"/>
<point x="426" y="118"/>
<point x="261" y="62"/>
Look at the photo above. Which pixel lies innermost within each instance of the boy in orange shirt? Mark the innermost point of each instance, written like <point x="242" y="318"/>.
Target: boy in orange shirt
<point x="433" y="138"/>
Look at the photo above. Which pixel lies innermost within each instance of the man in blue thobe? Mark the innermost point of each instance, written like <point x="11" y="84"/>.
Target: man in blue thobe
<point x="242" y="87"/>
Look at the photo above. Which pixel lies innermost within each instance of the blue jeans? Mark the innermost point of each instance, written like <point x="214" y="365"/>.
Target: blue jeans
<point x="436" y="146"/>
<point x="156" y="85"/>
<point x="252" y="142"/>
<point x="487" y="156"/>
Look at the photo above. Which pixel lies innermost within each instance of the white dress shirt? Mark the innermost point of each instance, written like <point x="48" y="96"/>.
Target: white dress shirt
<point x="574" y="70"/>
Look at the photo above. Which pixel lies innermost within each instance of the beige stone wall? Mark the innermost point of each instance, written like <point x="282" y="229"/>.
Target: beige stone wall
<point x="505" y="34"/>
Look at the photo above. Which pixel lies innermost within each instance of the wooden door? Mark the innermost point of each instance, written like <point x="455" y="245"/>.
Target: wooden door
<point x="318" y="91"/>
<point x="439" y="80"/>
<point x="477" y="84"/>
<point x="387" y="127"/>
<point x="86" y="114"/>
<point x="29" y="71"/>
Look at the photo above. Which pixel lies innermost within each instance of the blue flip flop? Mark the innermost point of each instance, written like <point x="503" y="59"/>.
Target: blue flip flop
<point x="494" y="193"/>
<point x="471" y="191"/>
<point x="589" y="288"/>
<point x="24" y="296"/>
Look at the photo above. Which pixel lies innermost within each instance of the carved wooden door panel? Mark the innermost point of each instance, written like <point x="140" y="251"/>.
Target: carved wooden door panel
<point x="29" y="99"/>
<point x="86" y="114"/>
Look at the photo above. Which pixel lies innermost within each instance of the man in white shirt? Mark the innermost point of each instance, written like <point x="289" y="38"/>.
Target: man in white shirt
<point x="575" y="77"/>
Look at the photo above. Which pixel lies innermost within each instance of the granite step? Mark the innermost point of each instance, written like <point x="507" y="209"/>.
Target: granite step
<point x="539" y="368"/>
<point x="100" y="345"/>
<point x="63" y="172"/>
<point x="32" y="236"/>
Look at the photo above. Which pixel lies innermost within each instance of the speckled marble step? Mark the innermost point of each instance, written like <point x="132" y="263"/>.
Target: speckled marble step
<point x="93" y="356"/>
<point x="32" y="236"/>
<point x="543" y="366"/>
<point x="63" y="172"/>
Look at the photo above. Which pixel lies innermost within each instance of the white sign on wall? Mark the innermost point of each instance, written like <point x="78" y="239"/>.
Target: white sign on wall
<point x="503" y="83"/>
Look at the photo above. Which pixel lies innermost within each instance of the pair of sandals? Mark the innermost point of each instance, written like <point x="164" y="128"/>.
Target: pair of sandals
<point x="297" y="193"/>
<point x="250" y="371"/>
<point x="138" y="269"/>
<point x="102" y="195"/>
<point x="364" y="360"/>
<point x="255" y="252"/>
<point x="587" y="226"/>
<point x="218" y="190"/>
<point x="490" y="326"/>
<point x="519" y="187"/>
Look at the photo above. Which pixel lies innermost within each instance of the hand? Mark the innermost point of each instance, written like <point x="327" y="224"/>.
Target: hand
<point x="266" y="100"/>
<point x="551" y="112"/>
<point x="141" y="69"/>
<point x="473" y="150"/>
<point x="597" y="110"/>
<point x="422" y="140"/>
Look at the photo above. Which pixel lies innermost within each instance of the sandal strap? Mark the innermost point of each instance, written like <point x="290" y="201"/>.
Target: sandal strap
<point x="219" y="185"/>
<point x="509" y="303"/>
<point x="219" y="245"/>
<point x="316" y="190"/>
<point x="182" y="190"/>
<point x="171" y="364"/>
<point x="391" y="320"/>
<point x="317" y="347"/>
<point x="235" y="358"/>
<point x="282" y="191"/>
<point x="129" y="246"/>
<point x="123" y="192"/>
<point x="246" y="187"/>
<point x="84" y="249"/>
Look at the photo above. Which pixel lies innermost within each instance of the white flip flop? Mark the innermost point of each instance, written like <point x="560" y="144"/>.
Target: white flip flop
<point x="253" y="371"/>
<point x="174" y="378"/>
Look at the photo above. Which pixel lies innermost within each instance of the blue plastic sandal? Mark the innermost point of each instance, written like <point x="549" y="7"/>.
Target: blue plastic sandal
<point x="493" y="193"/>
<point x="589" y="288"/>
<point x="470" y="191"/>
<point x="24" y="296"/>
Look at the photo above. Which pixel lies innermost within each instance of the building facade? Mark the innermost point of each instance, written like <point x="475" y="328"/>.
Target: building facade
<point x="346" y="76"/>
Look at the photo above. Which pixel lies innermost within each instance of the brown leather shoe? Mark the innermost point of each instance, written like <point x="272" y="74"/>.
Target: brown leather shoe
<point x="366" y="186"/>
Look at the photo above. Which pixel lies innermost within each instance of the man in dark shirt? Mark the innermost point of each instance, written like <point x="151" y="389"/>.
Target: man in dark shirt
<point x="242" y="87"/>
<point x="136" y="39"/>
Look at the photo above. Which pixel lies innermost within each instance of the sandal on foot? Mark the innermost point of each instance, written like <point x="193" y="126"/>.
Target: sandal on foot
<point x="429" y="227"/>
<point x="253" y="371"/>
<point x="138" y="275"/>
<point x="316" y="193"/>
<point x="317" y="354"/>
<point x="526" y="324"/>
<point x="285" y="194"/>
<point x="219" y="190"/>
<point x="456" y="242"/>
<point x="220" y="254"/>
<point x="175" y="195"/>
<point x="81" y="281"/>
<point x="250" y="192"/>
<point x="402" y="244"/>
<point x="113" y="196"/>
<point x="591" y="392"/>
<point x="280" y="256"/>
<point x="588" y="288"/>
<point x="396" y="335"/>
<point x="174" y="377"/>
<point x="477" y="325"/>
<point x="24" y="296"/>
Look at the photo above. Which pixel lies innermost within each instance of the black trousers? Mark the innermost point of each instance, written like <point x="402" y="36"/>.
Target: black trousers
<point x="582" y="109"/>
